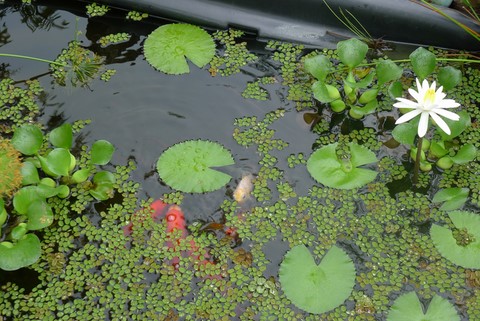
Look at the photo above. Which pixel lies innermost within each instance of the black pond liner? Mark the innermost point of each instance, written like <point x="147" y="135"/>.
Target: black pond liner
<point x="310" y="21"/>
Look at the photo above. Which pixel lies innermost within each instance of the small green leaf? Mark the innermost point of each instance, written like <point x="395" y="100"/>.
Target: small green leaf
<point x="352" y="52"/>
<point x="324" y="93"/>
<point x="56" y="163"/>
<point x="438" y="149"/>
<point x="387" y="71"/>
<point x="423" y="62"/>
<point x="27" y="139"/>
<point x="467" y="256"/>
<point x="101" y="152"/>
<point x="368" y="96"/>
<point x="167" y="46"/>
<point x="317" y="288"/>
<point x="319" y="66"/>
<point x="187" y="166"/>
<point x="357" y="112"/>
<point x="29" y="174"/>
<point x="407" y="307"/>
<point x="395" y="89"/>
<point x="326" y="168"/>
<point x="405" y="133"/>
<point x="25" y="252"/>
<point x="62" y="136"/>
<point x="449" y="77"/>
<point x="465" y="154"/>
<point x="454" y="198"/>
<point x="24" y="197"/>
<point x="40" y="215"/>
<point x="81" y="175"/>
<point x="19" y="231"/>
<point x="104" y="178"/>
<point x="364" y="83"/>
<point x="104" y="182"/>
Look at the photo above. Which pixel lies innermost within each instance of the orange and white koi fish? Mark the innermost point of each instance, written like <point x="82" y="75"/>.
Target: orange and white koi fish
<point x="244" y="189"/>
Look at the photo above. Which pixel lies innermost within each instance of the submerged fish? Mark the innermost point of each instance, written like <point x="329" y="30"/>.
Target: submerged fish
<point x="244" y="188"/>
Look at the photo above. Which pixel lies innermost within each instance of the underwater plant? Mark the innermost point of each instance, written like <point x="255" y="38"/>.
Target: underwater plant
<point x="167" y="46"/>
<point x="187" y="166"/>
<point x="317" y="288"/>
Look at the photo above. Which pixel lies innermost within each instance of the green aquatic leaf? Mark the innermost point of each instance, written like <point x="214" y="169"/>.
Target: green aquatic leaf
<point x="40" y="215"/>
<point x="187" y="166"/>
<point x="388" y="70"/>
<point x="29" y="174"/>
<point x="101" y="152"/>
<point x="467" y="255"/>
<point x="62" y="136"/>
<point x="324" y="93"/>
<point x="56" y="163"/>
<point x="423" y="62"/>
<point x="167" y="46"/>
<point x="317" y="288"/>
<point x="352" y="52"/>
<point x="456" y="126"/>
<point x="24" y="252"/>
<point x="325" y="167"/>
<point x="453" y="198"/>
<point x="27" y="139"/>
<point x="465" y="154"/>
<point x="407" y="307"/>
<point x="449" y="77"/>
<point x="405" y="133"/>
<point x="104" y="184"/>
<point x="319" y="66"/>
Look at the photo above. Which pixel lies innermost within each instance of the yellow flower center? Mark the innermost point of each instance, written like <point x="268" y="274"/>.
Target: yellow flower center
<point x="429" y="97"/>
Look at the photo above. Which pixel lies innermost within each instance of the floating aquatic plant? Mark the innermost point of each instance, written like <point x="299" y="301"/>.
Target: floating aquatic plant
<point x="343" y="172"/>
<point x="461" y="245"/>
<point x="453" y="198"/>
<point x="187" y="166"/>
<point x="22" y="252"/>
<point x="167" y="46"/>
<point x="317" y="288"/>
<point x="407" y="307"/>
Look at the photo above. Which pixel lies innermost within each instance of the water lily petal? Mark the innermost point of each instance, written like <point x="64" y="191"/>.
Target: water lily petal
<point x="405" y="103"/>
<point x="433" y="86"/>
<point x="446" y="114"/>
<point x="423" y="124"/>
<point x="441" y="123"/>
<point x="410" y="115"/>
<point x="448" y="103"/>
<point x="417" y="95"/>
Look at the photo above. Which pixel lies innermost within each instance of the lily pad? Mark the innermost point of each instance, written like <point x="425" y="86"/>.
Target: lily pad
<point x="25" y="252"/>
<point x="317" y="288"/>
<point x="408" y="308"/>
<point x="325" y="167"/>
<point x="466" y="255"/>
<point x="167" y="46"/>
<point x="187" y="166"/>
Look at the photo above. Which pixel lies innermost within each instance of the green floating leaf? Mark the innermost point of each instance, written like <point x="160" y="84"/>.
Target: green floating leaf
<point x="62" y="136"/>
<point x="104" y="182"/>
<point x="364" y="83"/>
<point x="187" y="166"/>
<point x="324" y="93"/>
<point x="326" y="168"/>
<point x="454" y="198"/>
<point x="25" y="252"/>
<point x="27" y="139"/>
<point x="40" y="215"/>
<point x="101" y="152"/>
<point x="29" y="174"/>
<point x="465" y="154"/>
<point x="405" y="133"/>
<point x="449" y="77"/>
<point x="56" y="163"/>
<point x="167" y="46"/>
<point x="352" y="52"/>
<point x="395" y="89"/>
<point x="407" y="307"/>
<point x="387" y="71"/>
<point x="317" y="288"/>
<point x="319" y="66"/>
<point x="464" y="255"/>
<point x="423" y="62"/>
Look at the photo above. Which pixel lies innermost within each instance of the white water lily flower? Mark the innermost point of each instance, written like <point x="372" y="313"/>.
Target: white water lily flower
<point x="428" y="103"/>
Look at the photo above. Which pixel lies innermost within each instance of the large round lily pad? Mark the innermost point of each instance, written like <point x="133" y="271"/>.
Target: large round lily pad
<point x="317" y="288"/>
<point x="24" y="252"/>
<point x="187" y="166"/>
<point x="408" y="308"/>
<point x="325" y="166"/>
<point x="468" y="254"/>
<point x="167" y="46"/>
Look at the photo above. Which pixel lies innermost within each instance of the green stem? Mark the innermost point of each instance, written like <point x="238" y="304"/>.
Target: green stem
<point x="417" y="161"/>
<point x="31" y="58"/>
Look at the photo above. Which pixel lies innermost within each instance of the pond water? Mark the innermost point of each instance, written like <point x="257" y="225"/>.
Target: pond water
<point x="142" y="112"/>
